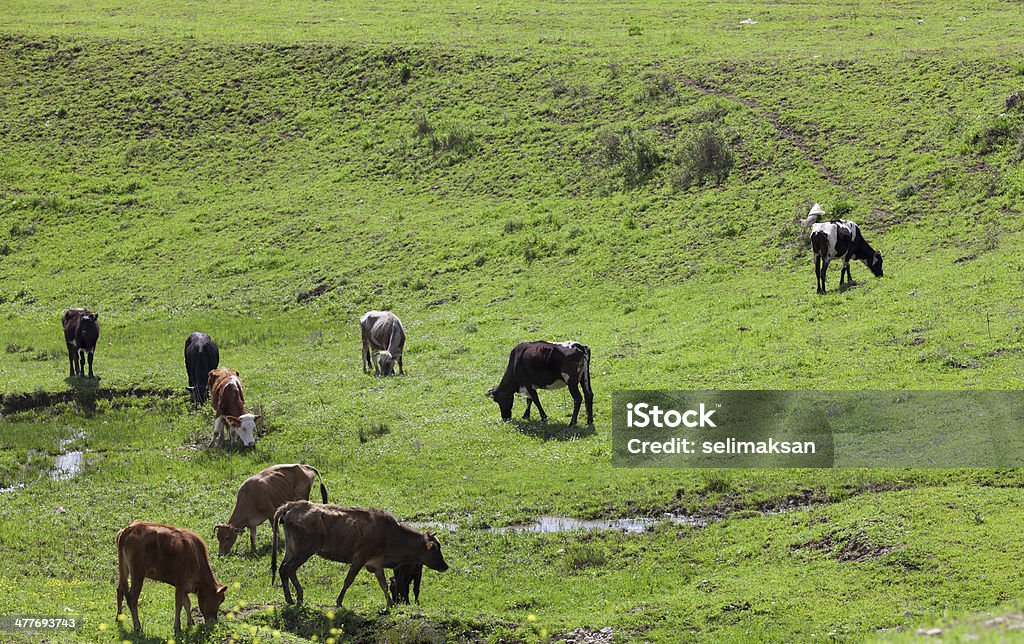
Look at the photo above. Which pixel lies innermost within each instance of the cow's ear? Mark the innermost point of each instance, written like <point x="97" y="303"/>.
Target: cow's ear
<point x="95" y="316"/>
<point x="255" y="418"/>
<point x="237" y="530"/>
<point x="235" y="372"/>
<point x="430" y="544"/>
<point x="221" y="590"/>
<point x="232" y="421"/>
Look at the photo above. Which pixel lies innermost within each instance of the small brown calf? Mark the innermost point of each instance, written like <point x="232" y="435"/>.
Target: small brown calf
<point x="171" y="555"/>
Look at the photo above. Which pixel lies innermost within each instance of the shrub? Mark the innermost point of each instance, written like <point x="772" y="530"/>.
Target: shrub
<point x="374" y="430"/>
<point x="992" y="136"/>
<point x="705" y="157"/>
<point x="906" y="191"/>
<point x="841" y="209"/>
<point x="633" y="152"/>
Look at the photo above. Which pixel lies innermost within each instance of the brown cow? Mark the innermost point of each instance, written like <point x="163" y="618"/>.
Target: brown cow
<point x="358" y="536"/>
<point x="171" y="555"/>
<point x="228" y="401"/>
<point x="259" y="497"/>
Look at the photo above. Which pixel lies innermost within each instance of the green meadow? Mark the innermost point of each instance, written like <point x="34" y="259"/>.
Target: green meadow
<point x="628" y="175"/>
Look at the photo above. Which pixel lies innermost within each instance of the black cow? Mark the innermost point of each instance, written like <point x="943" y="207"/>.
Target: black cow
<point x="549" y="365"/>
<point x="841" y="239"/>
<point x="201" y="357"/>
<point x="405" y="575"/>
<point x="81" y="332"/>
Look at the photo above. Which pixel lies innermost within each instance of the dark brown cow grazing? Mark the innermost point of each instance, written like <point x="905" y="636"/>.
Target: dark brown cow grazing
<point x="228" y="400"/>
<point x="201" y="357"/>
<point x="81" y="332"/>
<point x="261" y="495"/>
<point x="551" y="366"/>
<point x="358" y="536"/>
<point x="171" y="555"/>
<point x="406" y="575"/>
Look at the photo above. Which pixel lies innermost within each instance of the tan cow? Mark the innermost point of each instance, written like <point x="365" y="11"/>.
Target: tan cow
<point x="228" y="400"/>
<point x="171" y="555"/>
<point x="260" y="496"/>
<point x="357" y="536"/>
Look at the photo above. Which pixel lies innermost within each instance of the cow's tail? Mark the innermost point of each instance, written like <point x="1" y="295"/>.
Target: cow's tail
<point x="323" y="488"/>
<point x="278" y="517"/>
<point x="122" y="567"/>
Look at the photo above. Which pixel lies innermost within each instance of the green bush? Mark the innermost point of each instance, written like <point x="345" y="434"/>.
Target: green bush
<point x="632" y="152"/>
<point x="705" y="158"/>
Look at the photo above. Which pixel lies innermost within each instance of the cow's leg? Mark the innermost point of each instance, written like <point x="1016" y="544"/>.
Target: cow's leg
<point x="289" y="569"/>
<point x="824" y="271"/>
<point x="817" y="273"/>
<point x="577" y="400"/>
<point x="588" y="398"/>
<point x="526" y="414"/>
<point x="357" y="565"/>
<point x="845" y="271"/>
<point x="383" y="586"/>
<point x="72" y="356"/>
<point x="188" y="611"/>
<point x="218" y="425"/>
<point x="90" y="365"/>
<point x="133" y="600"/>
<point x="180" y="597"/>
<point x="366" y="356"/>
<point x="531" y="392"/>
<point x="252" y="539"/>
<point x="122" y="590"/>
<point x="401" y="370"/>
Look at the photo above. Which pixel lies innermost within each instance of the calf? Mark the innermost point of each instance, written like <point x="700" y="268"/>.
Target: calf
<point x="201" y="357"/>
<point x="841" y="239"/>
<point x="551" y="366"/>
<point x="357" y="536"/>
<point x="406" y="575"/>
<point x="259" y="497"/>
<point x="171" y="555"/>
<point x="81" y="332"/>
<point x="383" y="342"/>
<point x="228" y="400"/>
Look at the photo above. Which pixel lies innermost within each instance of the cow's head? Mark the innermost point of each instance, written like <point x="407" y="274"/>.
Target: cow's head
<point x="244" y="427"/>
<point x="387" y="363"/>
<point x="209" y="604"/>
<point x="875" y="264"/>
<point x="226" y="537"/>
<point x="504" y="402"/>
<point x="431" y="555"/>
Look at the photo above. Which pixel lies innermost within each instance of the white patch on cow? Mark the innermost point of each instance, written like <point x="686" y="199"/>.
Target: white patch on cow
<point x="522" y="390"/>
<point x="558" y="384"/>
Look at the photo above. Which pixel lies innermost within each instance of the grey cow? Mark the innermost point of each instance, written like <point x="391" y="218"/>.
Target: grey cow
<point x="383" y="342"/>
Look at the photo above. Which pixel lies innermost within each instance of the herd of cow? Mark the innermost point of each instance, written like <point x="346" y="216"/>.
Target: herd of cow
<point x="362" y="537"/>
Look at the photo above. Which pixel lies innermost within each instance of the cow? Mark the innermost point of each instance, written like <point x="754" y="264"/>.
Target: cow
<point x="171" y="555"/>
<point x="550" y="365"/>
<point x="357" y="536"/>
<point x="406" y="575"/>
<point x="81" y="332"/>
<point x="383" y="342"/>
<point x="201" y="357"/>
<point x="259" y="497"/>
<point x="841" y="239"/>
<point x="228" y="400"/>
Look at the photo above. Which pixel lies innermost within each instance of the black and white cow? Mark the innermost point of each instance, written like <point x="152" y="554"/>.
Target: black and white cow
<point x="841" y="240"/>
<point x="548" y="365"/>
<point x="81" y="332"/>
<point x="383" y="342"/>
<point x="201" y="357"/>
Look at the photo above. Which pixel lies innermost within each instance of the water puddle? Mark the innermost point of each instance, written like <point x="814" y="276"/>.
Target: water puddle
<point x="632" y="525"/>
<point x="68" y="463"/>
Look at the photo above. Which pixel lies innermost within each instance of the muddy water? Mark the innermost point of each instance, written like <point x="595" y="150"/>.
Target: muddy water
<point x="547" y="523"/>
<point x="631" y="525"/>
<point x="68" y="463"/>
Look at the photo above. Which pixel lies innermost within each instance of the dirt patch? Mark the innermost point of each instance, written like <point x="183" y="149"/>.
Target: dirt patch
<point x="85" y="396"/>
<point x="585" y="635"/>
<point x="853" y="548"/>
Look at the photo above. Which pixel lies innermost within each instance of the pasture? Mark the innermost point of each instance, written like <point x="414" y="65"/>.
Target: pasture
<point x="268" y="172"/>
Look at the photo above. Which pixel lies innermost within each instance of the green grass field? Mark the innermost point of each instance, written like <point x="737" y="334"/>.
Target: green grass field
<point x="266" y="172"/>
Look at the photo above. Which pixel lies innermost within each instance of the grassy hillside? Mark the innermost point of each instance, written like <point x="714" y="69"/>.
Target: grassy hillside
<point x="266" y="172"/>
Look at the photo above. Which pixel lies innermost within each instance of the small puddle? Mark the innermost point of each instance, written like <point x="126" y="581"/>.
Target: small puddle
<point x="632" y="525"/>
<point x="68" y="464"/>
